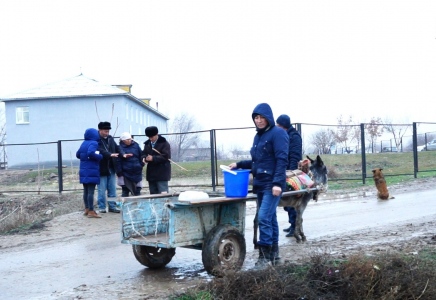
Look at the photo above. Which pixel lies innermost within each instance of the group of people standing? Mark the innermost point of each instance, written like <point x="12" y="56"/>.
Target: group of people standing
<point x="103" y="162"/>
<point x="275" y="149"/>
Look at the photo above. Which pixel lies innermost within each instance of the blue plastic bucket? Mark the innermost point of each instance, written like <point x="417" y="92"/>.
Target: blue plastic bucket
<point x="236" y="185"/>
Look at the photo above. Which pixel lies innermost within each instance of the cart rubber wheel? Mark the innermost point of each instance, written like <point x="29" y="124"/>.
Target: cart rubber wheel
<point x="153" y="257"/>
<point x="223" y="250"/>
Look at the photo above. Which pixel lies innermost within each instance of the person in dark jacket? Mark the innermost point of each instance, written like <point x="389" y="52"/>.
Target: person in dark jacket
<point x="295" y="155"/>
<point x="269" y="159"/>
<point x="89" y="169"/>
<point x="110" y="150"/>
<point x="156" y="154"/>
<point x="129" y="166"/>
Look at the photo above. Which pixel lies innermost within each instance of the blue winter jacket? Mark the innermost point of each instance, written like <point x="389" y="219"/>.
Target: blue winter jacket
<point x="89" y="160"/>
<point x="130" y="167"/>
<point x="295" y="148"/>
<point x="269" y="153"/>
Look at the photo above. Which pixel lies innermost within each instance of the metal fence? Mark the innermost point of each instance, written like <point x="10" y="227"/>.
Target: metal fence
<point x="55" y="167"/>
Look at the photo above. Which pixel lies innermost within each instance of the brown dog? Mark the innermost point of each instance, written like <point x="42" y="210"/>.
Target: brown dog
<point x="380" y="183"/>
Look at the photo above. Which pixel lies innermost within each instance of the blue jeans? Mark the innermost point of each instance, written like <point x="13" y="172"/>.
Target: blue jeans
<point x="88" y="195"/>
<point x="267" y="216"/>
<point x="107" y="183"/>
<point x="292" y="214"/>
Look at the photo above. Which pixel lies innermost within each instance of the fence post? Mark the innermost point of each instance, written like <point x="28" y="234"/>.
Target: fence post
<point x="425" y="141"/>
<point x="362" y="137"/>
<point x="298" y="128"/>
<point x="60" y="179"/>
<point x="212" y="158"/>
<point x="415" y="151"/>
<point x="298" y="125"/>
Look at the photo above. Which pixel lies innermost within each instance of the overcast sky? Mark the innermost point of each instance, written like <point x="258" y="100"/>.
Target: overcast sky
<point x="313" y="60"/>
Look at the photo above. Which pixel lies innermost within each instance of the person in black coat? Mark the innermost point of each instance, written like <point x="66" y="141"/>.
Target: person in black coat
<point x="295" y="155"/>
<point x="129" y="166"/>
<point x="110" y="151"/>
<point x="156" y="154"/>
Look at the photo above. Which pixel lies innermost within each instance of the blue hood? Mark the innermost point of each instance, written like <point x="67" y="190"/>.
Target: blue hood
<point x="92" y="134"/>
<point x="264" y="110"/>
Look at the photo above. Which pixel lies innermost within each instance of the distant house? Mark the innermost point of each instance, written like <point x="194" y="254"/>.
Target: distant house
<point x="64" y="110"/>
<point x="195" y="154"/>
<point x="237" y="154"/>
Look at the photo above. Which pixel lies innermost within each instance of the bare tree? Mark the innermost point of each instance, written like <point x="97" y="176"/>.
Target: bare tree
<point x="344" y="131"/>
<point x="323" y="140"/>
<point x="356" y="135"/>
<point x="180" y="140"/>
<point x="375" y="130"/>
<point x="397" y="130"/>
<point x="236" y="152"/>
<point x="221" y="153"/>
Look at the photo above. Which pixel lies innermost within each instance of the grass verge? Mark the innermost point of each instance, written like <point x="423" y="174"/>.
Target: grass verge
<point x="321" y="276"/>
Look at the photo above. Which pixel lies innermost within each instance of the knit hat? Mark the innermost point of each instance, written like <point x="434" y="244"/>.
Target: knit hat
<point x="284" y="121"/>
<point x="104" y="125"/>
<point x="125" y="136"/>
<point x="151" y="131"/>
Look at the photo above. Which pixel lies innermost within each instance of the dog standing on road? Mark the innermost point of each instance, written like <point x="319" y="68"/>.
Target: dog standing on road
<point x="380" y="183"/>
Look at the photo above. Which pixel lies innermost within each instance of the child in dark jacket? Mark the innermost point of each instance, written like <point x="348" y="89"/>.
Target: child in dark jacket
<point x="89" y="169"/>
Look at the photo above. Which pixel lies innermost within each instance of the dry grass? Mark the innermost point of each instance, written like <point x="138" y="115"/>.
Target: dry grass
<point x="387" y="276"/>
<point x="24" y="212"/>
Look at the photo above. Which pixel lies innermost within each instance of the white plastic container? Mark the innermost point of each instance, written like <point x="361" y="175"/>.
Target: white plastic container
<point x="193" y="195"/>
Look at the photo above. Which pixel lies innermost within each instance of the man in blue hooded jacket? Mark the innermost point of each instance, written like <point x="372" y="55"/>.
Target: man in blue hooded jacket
<point x="295" y="155"/>
<point x="269" y="155"/>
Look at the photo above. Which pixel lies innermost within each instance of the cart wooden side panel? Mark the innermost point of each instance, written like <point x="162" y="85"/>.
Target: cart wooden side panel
<point x="164" y="222"/>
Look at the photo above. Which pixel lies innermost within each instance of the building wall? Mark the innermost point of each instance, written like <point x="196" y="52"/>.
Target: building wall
<point x="67" y="119"/>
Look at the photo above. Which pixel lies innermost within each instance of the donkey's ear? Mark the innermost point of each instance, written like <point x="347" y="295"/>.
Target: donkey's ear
<point x="319" y="160"/>
<point x="311" y="160"/>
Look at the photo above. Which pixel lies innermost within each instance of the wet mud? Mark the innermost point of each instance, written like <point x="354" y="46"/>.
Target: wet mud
<point x="74" y="257"/>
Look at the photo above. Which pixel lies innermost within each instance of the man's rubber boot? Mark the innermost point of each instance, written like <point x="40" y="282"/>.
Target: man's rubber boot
<point x="274" y="254"/>
<point x="264" y="257"/>
<point x="291" y="232"/>
<point x="287" y="229"/>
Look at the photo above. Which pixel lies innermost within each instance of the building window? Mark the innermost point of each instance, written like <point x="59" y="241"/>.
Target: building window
<point x="22" y="115"/>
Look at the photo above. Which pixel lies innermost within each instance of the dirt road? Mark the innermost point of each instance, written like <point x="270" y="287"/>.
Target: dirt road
<point x="79" y="258"/>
